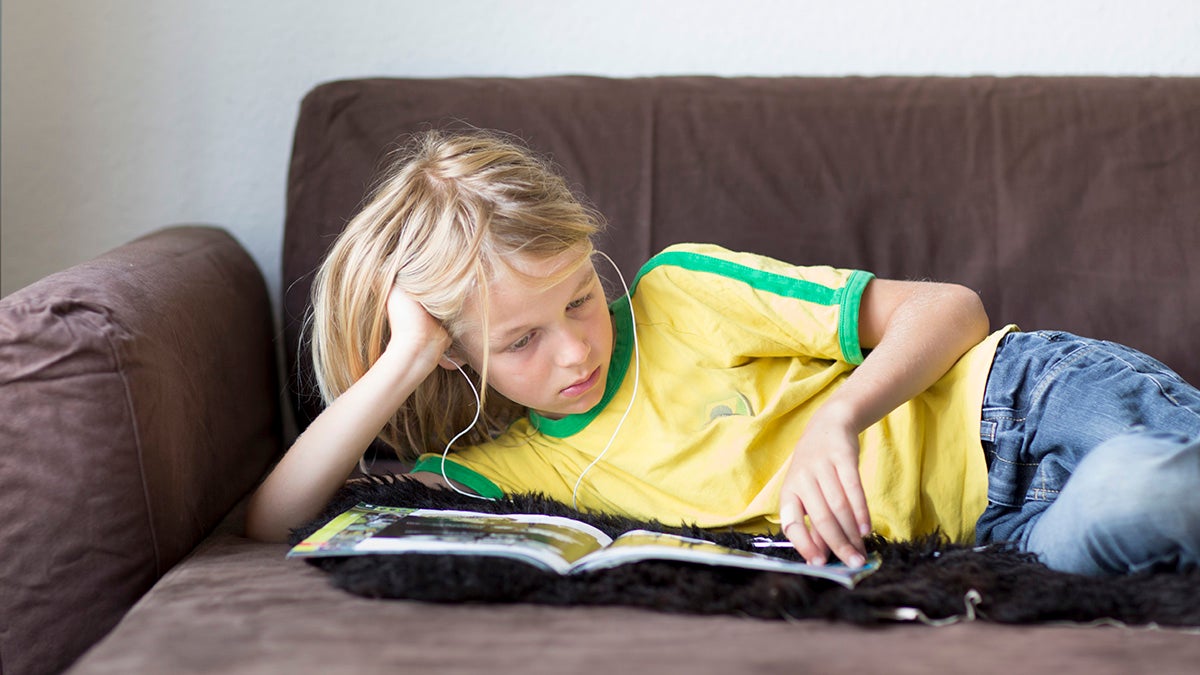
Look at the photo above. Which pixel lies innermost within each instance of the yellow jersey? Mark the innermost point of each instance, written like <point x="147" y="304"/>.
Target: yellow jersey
<point x="735" y="351"/>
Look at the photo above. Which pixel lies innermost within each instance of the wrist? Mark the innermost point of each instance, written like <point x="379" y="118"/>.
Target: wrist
<point x="421" y="356"/>
<point x="836" y="413"/>
<point x="401" y="370"/>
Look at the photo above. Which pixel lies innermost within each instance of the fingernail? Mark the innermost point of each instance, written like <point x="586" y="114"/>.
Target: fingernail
<point x="818" y="561"/>
<point x="864" y="529"/>
<point x="856" y="561"/>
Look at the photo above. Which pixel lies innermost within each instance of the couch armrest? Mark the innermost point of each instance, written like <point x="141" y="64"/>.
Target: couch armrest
<point x="138" y="404"/>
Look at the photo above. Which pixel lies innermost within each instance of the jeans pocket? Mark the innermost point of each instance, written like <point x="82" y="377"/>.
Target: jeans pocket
<point x="1011" y="471"/>
<point x="1010" y="482"/>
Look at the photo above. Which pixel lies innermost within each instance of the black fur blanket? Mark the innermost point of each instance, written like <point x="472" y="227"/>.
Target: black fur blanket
<point x="928" y="580"/>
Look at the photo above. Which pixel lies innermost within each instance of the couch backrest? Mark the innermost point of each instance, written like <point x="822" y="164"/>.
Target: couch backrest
<point x="1070" y="203"/>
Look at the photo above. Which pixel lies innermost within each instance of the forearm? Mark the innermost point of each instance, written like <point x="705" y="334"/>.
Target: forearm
<point x="321" y="459"/>
<point x="915" y="333"/>
<point x="930" y="327"/>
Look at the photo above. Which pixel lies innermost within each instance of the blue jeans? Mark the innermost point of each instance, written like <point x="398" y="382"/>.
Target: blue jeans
<point x="1093" y="454"/>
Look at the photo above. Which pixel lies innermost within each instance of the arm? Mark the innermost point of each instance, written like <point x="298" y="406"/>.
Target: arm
<point x="321" y="459"/>
<point x="915" y="331"/>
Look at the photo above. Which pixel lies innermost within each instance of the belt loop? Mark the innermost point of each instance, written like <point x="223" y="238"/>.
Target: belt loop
<point x="987" y="431"/>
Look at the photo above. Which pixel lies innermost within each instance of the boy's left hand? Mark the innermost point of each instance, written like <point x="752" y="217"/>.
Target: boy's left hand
<point x="823" y="484"/>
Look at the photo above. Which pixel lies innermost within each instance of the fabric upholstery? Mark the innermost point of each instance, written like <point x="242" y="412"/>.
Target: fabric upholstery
<point x="1068" y="203"/>
<point x="239" y="607"/>
<point x="138" y="404"/>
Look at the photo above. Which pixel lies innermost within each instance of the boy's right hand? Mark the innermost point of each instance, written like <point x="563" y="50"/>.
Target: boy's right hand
<point x="414" y="331"/>
<point x="823" y="507"/>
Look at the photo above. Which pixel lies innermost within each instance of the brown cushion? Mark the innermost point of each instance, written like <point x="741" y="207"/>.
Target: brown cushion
<point x="138" y="405"/>
<point x="240" y="606"/>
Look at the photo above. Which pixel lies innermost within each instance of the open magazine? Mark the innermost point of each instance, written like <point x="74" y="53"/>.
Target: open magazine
<point x="552" y="543"/>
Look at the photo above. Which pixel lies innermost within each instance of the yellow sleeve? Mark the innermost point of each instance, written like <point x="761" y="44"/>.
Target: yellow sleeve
<point x="754" y="305"/>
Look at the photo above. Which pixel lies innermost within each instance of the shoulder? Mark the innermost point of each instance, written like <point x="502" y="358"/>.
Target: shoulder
<point x="681" y="262"/>
<point x="709" y="267"/>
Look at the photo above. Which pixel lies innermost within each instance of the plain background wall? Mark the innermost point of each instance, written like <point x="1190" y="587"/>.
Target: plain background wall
<point x="123" y="116"/>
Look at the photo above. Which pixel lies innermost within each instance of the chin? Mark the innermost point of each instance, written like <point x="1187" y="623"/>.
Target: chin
<point x="576" y="408"/>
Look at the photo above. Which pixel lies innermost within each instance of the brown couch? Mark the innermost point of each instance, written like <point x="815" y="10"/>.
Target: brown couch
<point x="139" y="402"/>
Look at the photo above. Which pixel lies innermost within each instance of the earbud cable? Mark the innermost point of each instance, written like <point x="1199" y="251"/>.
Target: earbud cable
<point x="632" y="395"/>
<point x="478" y="406"/>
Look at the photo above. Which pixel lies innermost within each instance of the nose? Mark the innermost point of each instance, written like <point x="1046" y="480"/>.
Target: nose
<point x="573" y="348"/>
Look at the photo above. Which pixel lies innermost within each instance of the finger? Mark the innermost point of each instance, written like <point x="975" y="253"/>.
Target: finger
<point x="853" y="489"/>
<point x="840" y="506"/>
<point x="792" y="522"/>
<point x="831" y="480"/>
<point x="825" y="521"/>
<point x="847" y="524"/>
<point x="819" y="542"/>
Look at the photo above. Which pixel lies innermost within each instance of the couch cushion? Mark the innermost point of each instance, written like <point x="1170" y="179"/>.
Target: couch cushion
<point x="137" y="405"/>
<point x="238" y="606"/>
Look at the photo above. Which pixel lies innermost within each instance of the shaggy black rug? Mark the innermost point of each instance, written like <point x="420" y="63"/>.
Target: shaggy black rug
<point x="929" y="580"/>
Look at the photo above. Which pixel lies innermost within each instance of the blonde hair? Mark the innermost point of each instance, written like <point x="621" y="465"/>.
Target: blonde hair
<point x="445" y="217"/>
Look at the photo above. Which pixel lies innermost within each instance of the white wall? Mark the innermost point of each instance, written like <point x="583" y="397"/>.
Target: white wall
<point x="122" y="116"/>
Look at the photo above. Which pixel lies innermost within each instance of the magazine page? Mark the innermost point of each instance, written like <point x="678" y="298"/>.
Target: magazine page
<point x="340" y="535"/>
<point x="551" y="542"/>
<point x="637" y="545"/>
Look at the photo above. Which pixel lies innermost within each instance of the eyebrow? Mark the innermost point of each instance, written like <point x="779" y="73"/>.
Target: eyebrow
<point x="506" y="335"/>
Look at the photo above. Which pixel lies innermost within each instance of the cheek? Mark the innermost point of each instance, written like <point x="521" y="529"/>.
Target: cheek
<point x="514" y="377"/>
<point x="604" y="331"/>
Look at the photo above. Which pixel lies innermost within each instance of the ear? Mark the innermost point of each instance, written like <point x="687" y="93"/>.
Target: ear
<point x="451" y="360"/>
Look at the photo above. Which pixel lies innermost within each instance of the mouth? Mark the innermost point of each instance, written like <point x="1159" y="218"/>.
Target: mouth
<point x="583" y="386"/>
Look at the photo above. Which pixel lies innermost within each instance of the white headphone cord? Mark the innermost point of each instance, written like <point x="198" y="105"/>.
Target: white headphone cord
<point x="478" y="406"/>
<point x="632" y="395"/>
<point x="362" y="465"/>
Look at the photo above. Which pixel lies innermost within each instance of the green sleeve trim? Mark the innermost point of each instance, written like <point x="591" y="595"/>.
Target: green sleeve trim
<point x="850" y="304"/>
<point x="848" y="298"/>
<point x="460" y="474"/>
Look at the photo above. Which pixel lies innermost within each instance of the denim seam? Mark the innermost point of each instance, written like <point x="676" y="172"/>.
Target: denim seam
<point x="1044" y="494"/>
<point x="999" y="413"/>
<point x="1052" y="374"/>
<point x="1011" y="463"/>
<point x="1153" y="377"/>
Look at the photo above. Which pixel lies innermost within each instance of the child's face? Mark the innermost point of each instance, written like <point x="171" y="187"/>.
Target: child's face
<point x="550" y="347"/>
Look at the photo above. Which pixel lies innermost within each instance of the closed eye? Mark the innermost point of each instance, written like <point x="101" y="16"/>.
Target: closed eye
<point x="579" y="302"/>
<point x="528" y="337"/>
<point x="522" y="343"/>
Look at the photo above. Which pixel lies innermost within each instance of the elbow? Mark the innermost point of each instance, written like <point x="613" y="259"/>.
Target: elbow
<point x="970" y="311"/>
<point x="257" y="525"/>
